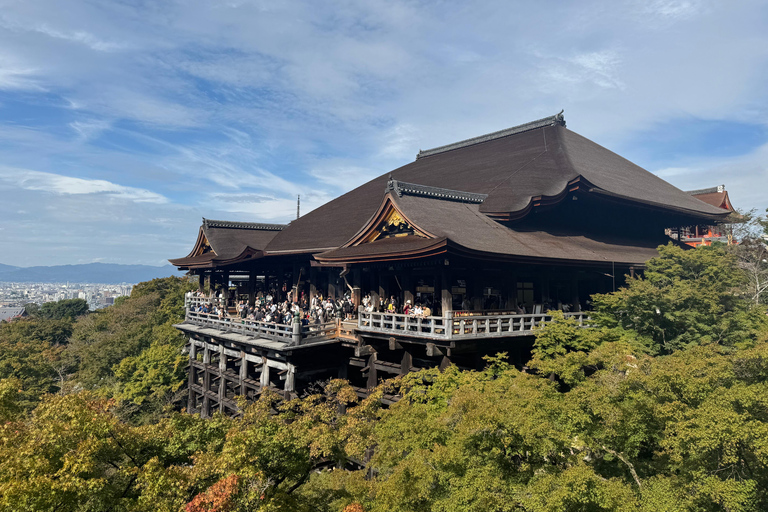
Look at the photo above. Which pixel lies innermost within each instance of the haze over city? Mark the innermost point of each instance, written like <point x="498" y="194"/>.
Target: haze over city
<point x="121" y="125"/>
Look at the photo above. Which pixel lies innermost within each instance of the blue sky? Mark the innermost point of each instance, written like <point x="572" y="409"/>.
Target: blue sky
<point x="122" y="123"/>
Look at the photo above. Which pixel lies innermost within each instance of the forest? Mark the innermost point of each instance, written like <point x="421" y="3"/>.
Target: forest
<point x="662" y="405"/>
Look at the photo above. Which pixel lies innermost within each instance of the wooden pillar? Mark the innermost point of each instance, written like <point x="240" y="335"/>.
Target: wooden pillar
<point x="264" y="374"/>
<point x="243" y="373"/>
<point x="373" y="285"/>
<point x="356" y="283"/>
<point x="382" y="291"/>
<point x="312" y="284"/>
<point x="222" y="379"/>
<point x="477" y="291"/>
<point x="446" y="296"/>
<point x="205" y="411"/>
<point x="191" y="399"/>
<point x="201" y="281"/>
<point x="290" y="379"/>
<point x="225" y="284"/>
<point x="332" y="275"/>
<point x="252" y="287"/>
<point x="575" y="294"/>
<point x="406" y="362"/>
<point x="295" y="282"/>
<point x="373" y="377"/>
<point x="407" y="282"/>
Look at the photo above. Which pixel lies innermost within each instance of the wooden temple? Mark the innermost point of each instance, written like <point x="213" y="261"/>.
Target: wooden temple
<point x="489" y="233"/>
<point x="705" y="234"/>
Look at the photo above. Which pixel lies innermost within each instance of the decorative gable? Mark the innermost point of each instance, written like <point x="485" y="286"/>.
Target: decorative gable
<point x="393" y="225"/>
<point x="388" y="222"/>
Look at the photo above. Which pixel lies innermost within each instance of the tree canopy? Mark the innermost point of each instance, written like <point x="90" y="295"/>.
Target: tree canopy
<point x="662" y="405"/>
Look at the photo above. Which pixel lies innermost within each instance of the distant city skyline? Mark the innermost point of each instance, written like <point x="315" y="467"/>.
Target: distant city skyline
<point x="122" y="125"/>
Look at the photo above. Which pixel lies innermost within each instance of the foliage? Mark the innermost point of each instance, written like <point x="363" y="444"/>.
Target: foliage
<point x="63" y="309"/>
<point x="131" y="351"/>
<point x="687" y="298"/>
<point x="751" y="252"/>
<point x="31" y="352"/>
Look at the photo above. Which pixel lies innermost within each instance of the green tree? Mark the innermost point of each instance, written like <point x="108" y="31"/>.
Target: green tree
<point x="63" y="309"/>
<point x="686" y="298"/>
<point x="131" y="351"/>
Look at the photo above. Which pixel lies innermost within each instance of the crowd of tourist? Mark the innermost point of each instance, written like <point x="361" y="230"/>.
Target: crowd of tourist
<point x="266" y="308"/>
<point x="317" y="310"/>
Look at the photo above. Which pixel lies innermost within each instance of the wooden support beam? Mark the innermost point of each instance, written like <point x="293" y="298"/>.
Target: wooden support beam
<point x="364" y="350"/>
<point x="406" y="363"/>
<point x="373" y="376"/>
<point x="433" y="350"/>
<point x="394" y="345"/>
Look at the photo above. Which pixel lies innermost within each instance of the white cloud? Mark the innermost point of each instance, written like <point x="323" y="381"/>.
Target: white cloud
<point x="233" y="108"/>
<point x="67" y="185"/>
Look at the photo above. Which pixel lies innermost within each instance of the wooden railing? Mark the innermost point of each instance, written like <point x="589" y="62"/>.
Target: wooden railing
<point x="461" y="327"/>
<point x="294" y="334"/>
<point x="421" y="327"/>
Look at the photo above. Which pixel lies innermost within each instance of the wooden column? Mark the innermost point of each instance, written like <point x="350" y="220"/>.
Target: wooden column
<point x="373" y="377"/>
<point x="205" y="411"/>
<point x="191" y="399"/>
<point x="575" y="294"/>
<point x="407" y="282"/>
<point x="312" y="284"/>
<point x="201" y="281"/>
<point x="406" y="362"/>
<point x="243" y="373"/>
<point x="382" y="291"/>
<point x="295" y="282"/>
<point x="222" y="380"/>
<point x="373" y="285"/>
<point x="332" y="275"/>
<point x="446" y="297"/>
<point x="252" y="287"/>
<point x="225" y="284"/>
<point x="264" y="374"/>
<point x="476" y="285"/>
<point x="356" y="284"/>
<point x="290" y="379"/>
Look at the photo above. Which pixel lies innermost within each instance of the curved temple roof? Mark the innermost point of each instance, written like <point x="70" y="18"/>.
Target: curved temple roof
<point x="514" y="168"/>
<point x="455" y="194"/>
<point x="226" y="242"/>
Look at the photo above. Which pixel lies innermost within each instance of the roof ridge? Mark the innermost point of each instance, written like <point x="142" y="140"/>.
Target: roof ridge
<point x="710" y="190"/>
<point x="532" y="125"/>
<point x="209" y="223"/>
<point x="414" y="189"/>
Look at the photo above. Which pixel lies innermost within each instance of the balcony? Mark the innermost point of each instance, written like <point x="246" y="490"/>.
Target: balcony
<point x="455" y="326"/>
<point x="459" y="325"/>
<point x="271" y="334"/>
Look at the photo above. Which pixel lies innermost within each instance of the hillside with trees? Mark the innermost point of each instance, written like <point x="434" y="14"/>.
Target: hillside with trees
<point x="661" y="406"/>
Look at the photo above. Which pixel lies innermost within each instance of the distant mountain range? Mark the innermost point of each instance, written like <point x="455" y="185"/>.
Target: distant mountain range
<point x="107" y="273"/>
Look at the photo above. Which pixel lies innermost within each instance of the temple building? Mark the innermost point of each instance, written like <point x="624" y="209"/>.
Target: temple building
<point x="488" y="233"/>
<point x="706" y="234"/>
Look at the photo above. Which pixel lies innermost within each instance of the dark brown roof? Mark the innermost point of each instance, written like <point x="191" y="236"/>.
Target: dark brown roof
<point x="229" y="242"/>
<point x="386" y="248"/>
<point x="513" y="168"/>
<point x="229" y="239"/>
<point x="468" y="230"/>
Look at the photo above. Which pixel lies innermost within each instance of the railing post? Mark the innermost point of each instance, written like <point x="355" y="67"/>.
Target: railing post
<point x="296" y="328"/>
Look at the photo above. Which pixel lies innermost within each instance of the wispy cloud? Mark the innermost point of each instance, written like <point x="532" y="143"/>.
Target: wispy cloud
<point x="176" y="110"/>
<point x="67" y="185"/>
